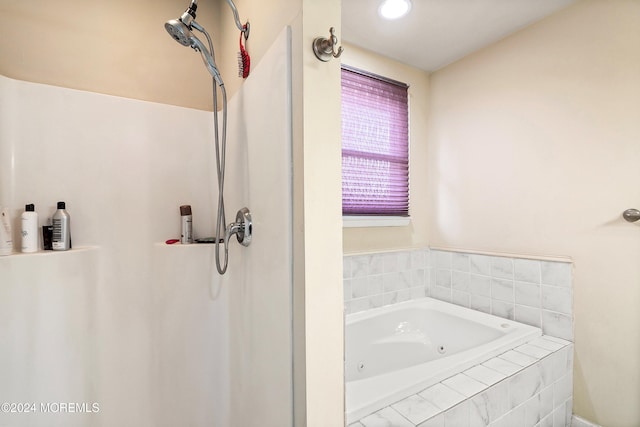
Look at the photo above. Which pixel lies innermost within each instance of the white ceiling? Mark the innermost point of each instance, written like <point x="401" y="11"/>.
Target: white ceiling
<point x="438" y="32"/>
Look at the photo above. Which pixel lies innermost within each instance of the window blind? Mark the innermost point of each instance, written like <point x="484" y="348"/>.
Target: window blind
<point x="375" y="145"/>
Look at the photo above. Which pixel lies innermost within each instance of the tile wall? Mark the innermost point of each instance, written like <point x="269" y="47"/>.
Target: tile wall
<point x="531" y="291"/>
<point x="378" y="279"/>
<point x="529" y="386"/>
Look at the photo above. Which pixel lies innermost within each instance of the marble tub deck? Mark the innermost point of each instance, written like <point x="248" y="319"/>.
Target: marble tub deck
<point x="529" y="386"/>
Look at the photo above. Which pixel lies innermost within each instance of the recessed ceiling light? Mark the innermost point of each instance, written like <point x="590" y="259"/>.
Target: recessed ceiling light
<point x="394" y="9"/>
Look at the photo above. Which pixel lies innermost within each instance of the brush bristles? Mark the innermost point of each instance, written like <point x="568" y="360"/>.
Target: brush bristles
<point x="244" y="64"/>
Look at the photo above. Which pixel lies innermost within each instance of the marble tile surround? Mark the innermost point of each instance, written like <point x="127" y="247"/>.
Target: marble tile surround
<point x="529" y="386"/>
<point x="378" y="279"/>
<point x="531" y="291"/>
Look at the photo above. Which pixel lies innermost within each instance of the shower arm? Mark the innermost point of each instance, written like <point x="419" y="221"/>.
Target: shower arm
<point x="244" y="28"/>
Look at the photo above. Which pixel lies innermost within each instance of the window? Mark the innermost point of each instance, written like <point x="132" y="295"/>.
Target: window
<point x="375" y="145"/>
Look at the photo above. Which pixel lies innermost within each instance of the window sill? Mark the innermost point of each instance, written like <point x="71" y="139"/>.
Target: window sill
<point x="375" y="221"/>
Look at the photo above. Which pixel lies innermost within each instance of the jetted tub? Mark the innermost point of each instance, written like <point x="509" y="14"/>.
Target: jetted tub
<point x="398" y="350"/>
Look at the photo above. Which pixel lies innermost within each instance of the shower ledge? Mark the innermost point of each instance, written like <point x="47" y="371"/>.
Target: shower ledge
<point x="43" y="253"/>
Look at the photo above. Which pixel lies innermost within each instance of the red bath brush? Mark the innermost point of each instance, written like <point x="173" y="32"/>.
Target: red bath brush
<point x="244" y="61"/>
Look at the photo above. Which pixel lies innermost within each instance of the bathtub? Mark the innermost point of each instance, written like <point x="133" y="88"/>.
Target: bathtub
<point x="398" y="350"/>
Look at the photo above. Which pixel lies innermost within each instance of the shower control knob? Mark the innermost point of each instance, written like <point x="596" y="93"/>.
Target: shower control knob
<point x="631" y="215"/>
<point x="245" y="229"/>
<point x="242" y="228"/>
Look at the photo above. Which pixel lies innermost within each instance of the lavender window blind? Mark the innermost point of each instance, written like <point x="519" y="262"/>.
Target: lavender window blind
<point x="375" y="145"/>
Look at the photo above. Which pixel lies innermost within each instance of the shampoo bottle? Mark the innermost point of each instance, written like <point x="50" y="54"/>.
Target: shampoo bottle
<point x="61" y="240"/>
<point x="29" y="233"/>
<point x="6" y="241"/>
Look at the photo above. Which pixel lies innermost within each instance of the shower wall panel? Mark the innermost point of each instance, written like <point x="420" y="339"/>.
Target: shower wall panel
<point x="123" y="167"/>
<point x="158" y="338"/>
<point x="236" y="328"/>
<point x="261" y="280"/>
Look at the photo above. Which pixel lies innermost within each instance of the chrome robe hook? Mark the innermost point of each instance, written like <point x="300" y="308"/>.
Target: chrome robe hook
<point x="325" y="48"/>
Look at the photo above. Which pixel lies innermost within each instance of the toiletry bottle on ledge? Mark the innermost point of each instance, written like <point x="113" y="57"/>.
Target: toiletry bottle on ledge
<point x="29" y="225"/>
<point x="47" y="235"/>
<point x="186" y="236"/>
<point x="61" y="229"/>
<point x="6" y="240"/>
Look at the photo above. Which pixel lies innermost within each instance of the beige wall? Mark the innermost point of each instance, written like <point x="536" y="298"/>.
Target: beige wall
<point x="266" y="19"/>
<point x="120" y="47"/>
<point x="415" y="234"/>
<point x="317" y="221"/>
<point x="535" y="148"/>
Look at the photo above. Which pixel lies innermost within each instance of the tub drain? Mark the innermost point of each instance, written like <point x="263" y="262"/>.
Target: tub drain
<point x="441" y="349"/>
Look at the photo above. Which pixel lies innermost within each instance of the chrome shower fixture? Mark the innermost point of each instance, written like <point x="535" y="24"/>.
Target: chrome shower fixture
<point x="181" y="31"/>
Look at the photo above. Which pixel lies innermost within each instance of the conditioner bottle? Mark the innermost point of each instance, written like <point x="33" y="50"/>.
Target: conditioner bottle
<point x="29" y="224"/>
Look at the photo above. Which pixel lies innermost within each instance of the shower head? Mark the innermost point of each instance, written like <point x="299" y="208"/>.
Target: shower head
<point x="179" y="31"/>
